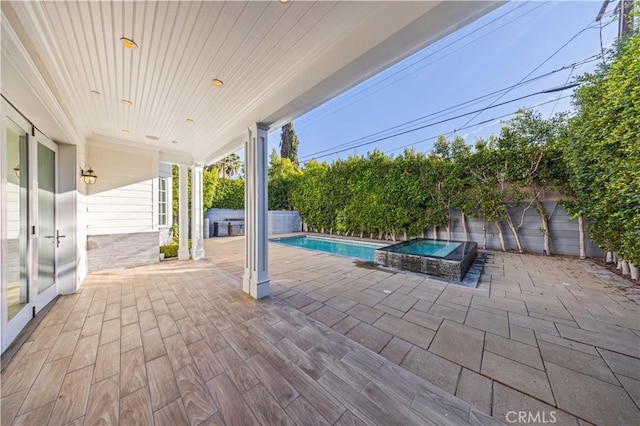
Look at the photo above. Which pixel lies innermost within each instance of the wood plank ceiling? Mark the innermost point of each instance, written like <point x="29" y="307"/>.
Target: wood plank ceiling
<point x="272" y="57"/>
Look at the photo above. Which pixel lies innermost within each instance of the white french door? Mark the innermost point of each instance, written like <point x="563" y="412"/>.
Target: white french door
<point x="48" y="238"/>
<point x="28" y="222"/>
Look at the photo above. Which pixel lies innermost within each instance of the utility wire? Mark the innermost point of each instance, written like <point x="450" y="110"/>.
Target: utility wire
<point x="364" y="88"/>
<point x="587" y="27"/>
<point x="560" y="95"/>
<point x="456" y="107"/>
<point x="349" y="145"/>
<point x="450" y="119"/>
<point x="472" y="125"/>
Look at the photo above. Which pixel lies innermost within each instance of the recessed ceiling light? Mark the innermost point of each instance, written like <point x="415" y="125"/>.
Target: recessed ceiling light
<point x="127" y="42"/>
<point x="217" y="82"/>
<point x="190" y="121"/>
<point x="284" y="1"/>
<point x="174" y="141"/>
<point x="125" y="131"/>
<point x="95" y="92"/>
<point x="152" y="137"/>
<point x="126" y="102"/>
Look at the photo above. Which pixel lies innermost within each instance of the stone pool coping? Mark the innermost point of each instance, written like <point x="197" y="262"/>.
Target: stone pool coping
<point x="454" y="266"/>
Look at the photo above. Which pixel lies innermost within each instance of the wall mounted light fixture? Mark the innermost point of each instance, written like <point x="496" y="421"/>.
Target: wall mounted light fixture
<point x="88" y="175"/>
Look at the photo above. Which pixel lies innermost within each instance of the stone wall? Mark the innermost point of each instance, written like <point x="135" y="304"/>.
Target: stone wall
<point x="122" y="250"/>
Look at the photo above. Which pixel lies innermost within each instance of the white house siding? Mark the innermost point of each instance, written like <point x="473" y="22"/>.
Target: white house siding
<point x="121" y="200"/>
<point x="13" y="230"/>
<point x="121" y="215"/>
<point x="81" y="238"/>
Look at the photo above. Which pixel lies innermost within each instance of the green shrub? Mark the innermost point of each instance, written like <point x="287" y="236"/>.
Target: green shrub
<point x="171" y="250"/>
<point x="229" y="194"/>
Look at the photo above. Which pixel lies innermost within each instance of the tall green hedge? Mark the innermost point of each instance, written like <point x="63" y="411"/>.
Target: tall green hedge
<point x="229" y="194"/>
<point x="603" y="151"/>
<point x="382" y="195"/>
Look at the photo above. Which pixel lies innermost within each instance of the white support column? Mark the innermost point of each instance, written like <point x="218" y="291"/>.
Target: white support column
<point x="256" y="274"/>
<point x="183" y="213"/>
<point x="197" y="247"/>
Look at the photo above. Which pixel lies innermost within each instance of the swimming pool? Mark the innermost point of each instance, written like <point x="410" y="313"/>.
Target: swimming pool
<point x="446" y="259"/>
<point x="426" y="247"/>
<point x="356" y="249"/>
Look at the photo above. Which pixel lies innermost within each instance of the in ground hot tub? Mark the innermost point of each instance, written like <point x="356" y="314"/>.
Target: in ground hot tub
<point x="446" y="259"/>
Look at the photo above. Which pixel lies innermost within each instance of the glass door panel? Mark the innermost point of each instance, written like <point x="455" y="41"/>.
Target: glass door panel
<point x="46" y="218"/>
<point x="17" y="291"/>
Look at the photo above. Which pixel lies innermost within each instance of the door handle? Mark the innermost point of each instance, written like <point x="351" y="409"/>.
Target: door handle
<point x="58" y="236"/>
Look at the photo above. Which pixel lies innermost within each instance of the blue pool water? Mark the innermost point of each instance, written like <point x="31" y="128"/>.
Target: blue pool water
<point x="431" y="248"/>
<point x="359" y="250"/>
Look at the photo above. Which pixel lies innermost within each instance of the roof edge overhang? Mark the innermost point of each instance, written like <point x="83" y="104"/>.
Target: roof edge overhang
<point x="303" y="95"/>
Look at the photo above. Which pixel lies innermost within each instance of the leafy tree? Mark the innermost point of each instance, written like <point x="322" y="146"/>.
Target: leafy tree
<point x="487" y="187"/>
<point x="450" y="178"/>
<point x="309" y="196"/>
<point x="229" y="194"/>
<point x="356" y="218"/>
<point x="532" y="164"/>
<point x="376" y="203"/>
<point x="283" y="177"/>
<point x="229" y="166"/>
<point x="289" y="143"/>
<point x="209" y="184"/>
<point x="603" y="151"/>
<point x="463" y="201"/>
<point x="406" y="194"/>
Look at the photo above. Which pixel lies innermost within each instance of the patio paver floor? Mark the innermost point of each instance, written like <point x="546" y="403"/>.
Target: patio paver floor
<point x="179" y="343"/>
<point x="540" y="333"/>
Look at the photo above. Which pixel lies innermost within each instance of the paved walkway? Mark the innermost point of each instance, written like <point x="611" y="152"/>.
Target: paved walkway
<point x="540" y="334"/>
<point x="180" y="344"/>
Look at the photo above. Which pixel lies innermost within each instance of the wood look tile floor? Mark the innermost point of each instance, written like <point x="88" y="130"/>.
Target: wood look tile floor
<point x="539" y="334"/>
<point x="179" y="343"/>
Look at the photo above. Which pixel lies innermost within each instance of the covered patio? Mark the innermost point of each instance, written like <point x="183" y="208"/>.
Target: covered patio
<point x="97" y="97"/>
<point x="228" y="334"/>
<point x="179" y="343"/>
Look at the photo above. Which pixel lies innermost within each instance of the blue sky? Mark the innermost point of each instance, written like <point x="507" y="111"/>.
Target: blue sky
<point x="493" y="53"/>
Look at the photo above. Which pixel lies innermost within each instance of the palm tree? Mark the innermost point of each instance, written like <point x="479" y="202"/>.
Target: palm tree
<point x="232" y="164"/>
<point x="228" y="166"/>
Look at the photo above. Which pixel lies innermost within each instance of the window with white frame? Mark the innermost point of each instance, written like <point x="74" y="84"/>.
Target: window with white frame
<point x="162" y="202"/>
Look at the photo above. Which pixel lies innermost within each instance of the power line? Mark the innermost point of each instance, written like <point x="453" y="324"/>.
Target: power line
<point x="448" y="119"/>
<point x="352" y="144"/>
<point x="456" y="107"/>
<point x="558" y="100"/>
<point x="364" y="87"/>
<point x="451" y="132"/>
<point x="588" y="26"/>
